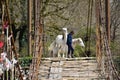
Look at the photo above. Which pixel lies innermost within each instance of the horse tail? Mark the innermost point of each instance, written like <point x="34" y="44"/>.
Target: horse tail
<point x="52" y="45"/>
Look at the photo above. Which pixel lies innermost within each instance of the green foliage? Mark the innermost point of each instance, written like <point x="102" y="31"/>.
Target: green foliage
<point x="25" y="61"/>
<point x="24" y="51"/>
<point x="78" y="51"/>
<point x="82" y="34"/>
<point x="115" y="48"/>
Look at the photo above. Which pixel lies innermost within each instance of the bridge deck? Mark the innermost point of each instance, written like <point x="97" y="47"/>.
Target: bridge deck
<point x="69" y="69"/>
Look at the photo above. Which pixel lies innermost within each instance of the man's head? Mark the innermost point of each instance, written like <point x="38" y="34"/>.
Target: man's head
<point x="72" y="32"/>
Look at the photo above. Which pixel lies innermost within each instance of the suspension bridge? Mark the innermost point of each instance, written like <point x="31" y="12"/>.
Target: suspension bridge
<point x="100" y="67"/>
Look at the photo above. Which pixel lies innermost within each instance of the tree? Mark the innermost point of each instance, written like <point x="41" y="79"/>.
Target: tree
<point x="115" y="18"/>
<point x="18" y="15"/>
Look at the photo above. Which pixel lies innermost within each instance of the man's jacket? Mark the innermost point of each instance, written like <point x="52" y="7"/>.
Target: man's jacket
<point x="69" y="39"/>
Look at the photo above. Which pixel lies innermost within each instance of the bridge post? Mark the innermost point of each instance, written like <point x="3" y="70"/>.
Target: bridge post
<point x="29" y="27"/>
<point x="107" y="12"/>
<point x="38" y="32"/>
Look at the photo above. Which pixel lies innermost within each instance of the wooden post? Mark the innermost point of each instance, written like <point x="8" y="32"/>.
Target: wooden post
<point x="37" y="54"/>
<point x="107" y="12"/>
<point x="29" y="25"/>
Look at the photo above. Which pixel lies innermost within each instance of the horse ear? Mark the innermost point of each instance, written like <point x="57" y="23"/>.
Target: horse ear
<point x="80" y="39"/>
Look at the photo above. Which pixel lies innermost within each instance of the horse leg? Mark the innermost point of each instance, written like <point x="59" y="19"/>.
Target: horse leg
<point x="59" y="50"/>
<point x="66" y="55"/>
<point x="59" y="55"/>
<point x="63" y="55"/>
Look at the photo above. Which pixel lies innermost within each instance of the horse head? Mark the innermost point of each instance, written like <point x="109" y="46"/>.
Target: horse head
<point x="81" y="42"/>
<point x="64" y="30"/>
<point x="64" y="34"/>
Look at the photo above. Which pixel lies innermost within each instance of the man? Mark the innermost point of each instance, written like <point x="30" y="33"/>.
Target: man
<point x="69" y="44"/>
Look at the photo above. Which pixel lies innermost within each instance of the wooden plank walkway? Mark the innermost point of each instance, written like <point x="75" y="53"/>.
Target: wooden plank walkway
<point x="69" y="69"/>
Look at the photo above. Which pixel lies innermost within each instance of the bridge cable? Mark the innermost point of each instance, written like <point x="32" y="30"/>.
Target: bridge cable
<point x="88" y="33"/>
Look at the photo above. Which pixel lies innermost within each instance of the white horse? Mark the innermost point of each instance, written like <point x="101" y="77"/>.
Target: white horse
<point x="58" y="42"/>
<point x="63" y="49"/>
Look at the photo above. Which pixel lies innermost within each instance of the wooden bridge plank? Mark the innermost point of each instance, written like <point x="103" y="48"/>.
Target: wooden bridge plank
<point x="68" y="69"/>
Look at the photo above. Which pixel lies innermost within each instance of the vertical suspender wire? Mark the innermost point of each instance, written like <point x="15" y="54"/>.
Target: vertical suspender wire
<point x="3" y="8"/>
<point x="32" y="66"/>
<point x="107" y="25"/>
<point x="86" y="38"/>
<point x="102" y="56"/>
<point x="97" y="32"/>
<point x="3" y="13"/>
<point x="88" y="18"/>
<point x="41" y="34"/>
<point x="107" y="12"/>
<point x="29" y="27"/>
<point x="14" y="48"/>
<point x="89" y="35"/>
<point x="5" y="74"/>
<point x="90" y="24"/>
<point x="100" y="40"/>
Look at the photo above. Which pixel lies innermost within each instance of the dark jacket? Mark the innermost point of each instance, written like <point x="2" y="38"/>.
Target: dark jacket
<point x="69" y="39"/>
